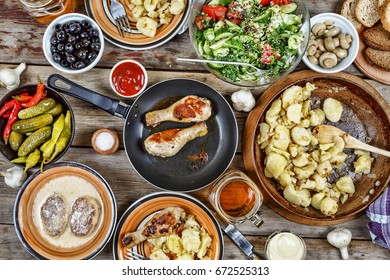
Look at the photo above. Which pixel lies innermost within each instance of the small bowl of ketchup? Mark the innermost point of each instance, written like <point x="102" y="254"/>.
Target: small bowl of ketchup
<point x="128" y="78"/>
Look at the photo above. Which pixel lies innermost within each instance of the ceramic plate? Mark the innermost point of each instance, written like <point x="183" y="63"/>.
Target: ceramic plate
<point x="99" y="11"/>
<point x="55" y="179"/>
<point x="143" y="209"/>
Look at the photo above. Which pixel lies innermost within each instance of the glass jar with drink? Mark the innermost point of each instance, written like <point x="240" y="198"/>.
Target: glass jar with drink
<point x="45" y="11"/>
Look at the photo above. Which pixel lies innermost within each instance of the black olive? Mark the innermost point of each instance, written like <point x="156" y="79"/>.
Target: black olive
<point x="85" y="43"/>
<point x="60" y="47"/>
<point x="92" y="56"/>
<point x="82" y="54"/>
<point x="56" y="57"/>
<point x="53" y="49"/>
<point x="69" y="23"/>
<point x="75" y="28"/>
<point x="59" y="27"/>
<point x="61" y="35"/>
<point x="64" y="63"/>
<point x="77" y="46"/>
<point x="54" y="40"/>
<point x="71" y="39"/>
<point x="85" y="24"/>
<point x="79" y="65"/>
<point x="96" y="40"/>
<point x="69" y="48"/>
<point x="71" y="59"/>
<point x="84" y="35"/>
<point x="95" y="47"/>
<point x="93" y="32"/>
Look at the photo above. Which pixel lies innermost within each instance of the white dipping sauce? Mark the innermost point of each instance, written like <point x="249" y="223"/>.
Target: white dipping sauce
<point x="105" y="141"/>
<point x="286" y="246"/>
<point x="71" y="188"/>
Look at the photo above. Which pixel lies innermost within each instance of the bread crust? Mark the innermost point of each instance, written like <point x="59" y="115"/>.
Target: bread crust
<point x="385" y="15"/>
<point x="366" y="12"/>
<point x="348" y="11"/>
<point x="377" y="38"/>
<point x="378" y="58"/>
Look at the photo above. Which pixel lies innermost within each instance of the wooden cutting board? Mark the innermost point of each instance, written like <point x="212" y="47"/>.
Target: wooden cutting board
<point x="369" y="70"/>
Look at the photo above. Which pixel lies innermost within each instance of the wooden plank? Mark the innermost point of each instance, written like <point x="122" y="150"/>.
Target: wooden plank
<point x="23" y="42"/>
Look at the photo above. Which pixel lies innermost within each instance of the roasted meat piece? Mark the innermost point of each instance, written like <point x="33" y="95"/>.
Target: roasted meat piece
<point x="168" y="143"/>
<point x="54" y="215"/>
<point x="162" y="223"/>
<point x="85" y="216"/>
<point x="188" y="109"/>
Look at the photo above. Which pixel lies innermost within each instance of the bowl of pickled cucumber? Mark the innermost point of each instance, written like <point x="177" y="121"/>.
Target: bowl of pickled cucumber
<point x="270" y="35"/>
<point x="37" y="126"/>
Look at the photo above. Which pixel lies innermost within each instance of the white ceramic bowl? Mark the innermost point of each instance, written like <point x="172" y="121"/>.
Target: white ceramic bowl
<point x="50" y="30"/>
<point x="345" y="27"/>
<point x="137" y="64"/>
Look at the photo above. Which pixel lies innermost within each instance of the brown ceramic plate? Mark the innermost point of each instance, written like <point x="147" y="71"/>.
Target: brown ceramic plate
<point x="375" y="73"/>
<point x="366" y="115"/>
<point x="100" y="12"/>
<point x="66" y="246"/>
<point x="143" y="209"/>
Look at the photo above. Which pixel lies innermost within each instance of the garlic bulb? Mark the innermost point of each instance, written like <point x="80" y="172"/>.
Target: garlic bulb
<point x="14" y="176"/>
<point x="10" y="78"/>
<point x="243" y="100"/>
<point x="340" y="238"/>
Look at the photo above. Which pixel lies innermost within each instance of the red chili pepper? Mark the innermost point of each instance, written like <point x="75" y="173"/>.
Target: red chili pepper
<point x="7" y="106"/>
<point x="7" y="114"/>
<point x="23" y="98"/>
<point x="38" y="96"/>
<point x="12" y="118"/>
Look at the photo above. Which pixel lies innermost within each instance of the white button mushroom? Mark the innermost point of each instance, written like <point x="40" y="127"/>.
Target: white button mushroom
<point x="340" y="238"/>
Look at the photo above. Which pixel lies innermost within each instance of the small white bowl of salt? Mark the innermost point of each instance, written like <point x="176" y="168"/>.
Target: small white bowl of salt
<point x="105" y="141"/>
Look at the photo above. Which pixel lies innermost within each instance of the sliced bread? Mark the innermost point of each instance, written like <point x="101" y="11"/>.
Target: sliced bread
<point x="366" y="12"/>
<point x="377" y="38"/>
<point x="348" y="11"/>
<point x="385" y="15"/>
<point x="378" y="58"/>
<point x="380" y="4"/>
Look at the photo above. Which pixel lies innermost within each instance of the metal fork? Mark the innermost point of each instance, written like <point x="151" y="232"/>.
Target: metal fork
<point x="121" y="20"/>
<point x="131" y="255"/>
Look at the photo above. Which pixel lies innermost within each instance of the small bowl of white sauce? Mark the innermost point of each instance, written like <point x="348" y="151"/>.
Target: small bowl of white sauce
<point x="285" y="245"/>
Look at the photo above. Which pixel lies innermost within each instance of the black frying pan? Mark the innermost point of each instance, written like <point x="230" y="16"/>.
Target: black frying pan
<point x="5" y="150"/>
<point x="180" y="172"/>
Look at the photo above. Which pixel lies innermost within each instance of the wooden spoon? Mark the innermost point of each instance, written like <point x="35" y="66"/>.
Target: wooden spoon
<point x="326" y="133"/>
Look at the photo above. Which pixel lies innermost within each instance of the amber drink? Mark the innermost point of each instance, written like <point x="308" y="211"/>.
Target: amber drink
<point x="45" y="11"/>
<point x="236" y="197"/>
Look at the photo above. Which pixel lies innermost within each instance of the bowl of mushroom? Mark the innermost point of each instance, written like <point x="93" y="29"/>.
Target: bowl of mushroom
<point x="333" y="45"/>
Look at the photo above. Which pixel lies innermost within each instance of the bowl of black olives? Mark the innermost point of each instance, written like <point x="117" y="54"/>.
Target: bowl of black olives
<point x="73" y="43"/>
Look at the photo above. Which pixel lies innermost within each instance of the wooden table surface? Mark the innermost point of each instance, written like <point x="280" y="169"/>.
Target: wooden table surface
<point x="21" y="41"/>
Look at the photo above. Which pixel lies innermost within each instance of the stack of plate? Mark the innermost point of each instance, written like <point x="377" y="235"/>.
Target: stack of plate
<point x="99" y="10"/>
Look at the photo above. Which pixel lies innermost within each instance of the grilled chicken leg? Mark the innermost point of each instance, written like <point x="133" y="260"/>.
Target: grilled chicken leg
<point x="168" y="143"/>
<point x="188" y="109"/>
<point x="162" y="223"/>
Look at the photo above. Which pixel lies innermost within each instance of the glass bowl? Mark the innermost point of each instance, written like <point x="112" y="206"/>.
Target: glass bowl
<point x="262" y="79"/>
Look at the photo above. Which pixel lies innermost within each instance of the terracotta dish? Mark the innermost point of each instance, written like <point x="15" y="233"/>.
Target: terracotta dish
<point x="367" y="116"/>
<point x="100" y="12"/>
<point x="143" y="209"/>
<point x="96" y="146"/>
<point x="27" y="213"/>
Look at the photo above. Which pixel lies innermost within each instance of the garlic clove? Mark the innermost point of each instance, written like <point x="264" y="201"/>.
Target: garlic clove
<point x="10" y="78"/>
<point x="14" y="176"/>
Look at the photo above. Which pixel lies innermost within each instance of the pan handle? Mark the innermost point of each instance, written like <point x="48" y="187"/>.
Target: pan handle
<point x="112" y="106"/>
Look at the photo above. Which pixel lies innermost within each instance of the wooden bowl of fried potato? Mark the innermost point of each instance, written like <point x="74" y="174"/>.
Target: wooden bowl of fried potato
<point x="366" y="116"/>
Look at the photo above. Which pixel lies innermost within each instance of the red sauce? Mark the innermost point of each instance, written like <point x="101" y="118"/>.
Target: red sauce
<point x="128" y="78"/>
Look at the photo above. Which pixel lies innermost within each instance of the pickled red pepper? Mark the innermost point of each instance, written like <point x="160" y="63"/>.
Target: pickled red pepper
<point x="38" y="96"/>
<point x="8" y="106"/>
<point x="12" y="118"/>
<point x="23" y="98"/>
